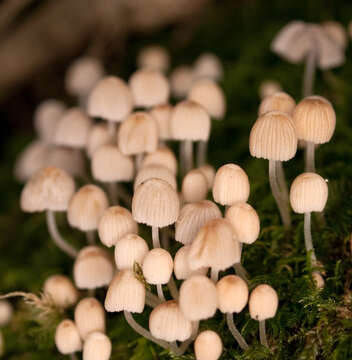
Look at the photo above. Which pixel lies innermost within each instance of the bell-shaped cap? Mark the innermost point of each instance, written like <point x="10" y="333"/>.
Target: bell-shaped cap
<point x="111" y="99"/>
<point x="155" y="203"/>
<point x="82" y="75"/>
<point x="60" y="289"/>
<point x="130" y="249"/>
<point x="208" y="93"/>
<point x="198" y="298"/>
<point x="263" y="302"/>
<point x="209" y="172"/>
<point x="194" y="186"/>
<point x="181" y="81"/>
<point x="232" y="294"/>
<point x="181" y="265"/>
<point x="167" y="322"/>
<point x="86" y="207"/>
<point x="162" y="156"/>
<point x="46" y="118"/>
<point x="49" y="188"/>
<point x="115" y="223"/>
<point x="308" y="193"/>
<point x="273" y="137"/>
<point x="208" y="346"/>
<point x="268" y="88"/>
<point x="97" y="347"/>
<point x="93" y="268"/>
<point x="318" y="280"/>
<point x="149" y="88"/>
<point x="244" y="221"/>
<point x="280" y="101"/>
<point x="192" y="217"/>
<point x="190" y="121"/>
<point x="97" y="137"/>
<point x="138" y="134"/>
<point x="157" y="266"/>
<point x="209" y="66"/>
<point x="162" y="114"/>
<point x="72" y="129"/>
<point x="110" y="165"/>
<point x="154" y="57"/>
<point x="336" y="31"/>
<point x="125" y="293"/>
<point x="314" y="119"/>
<point x="67" y="338"/>
<point x="89" y="317"/>
<point x="231" y="185"/>
<point x="214" y="246"/>
<point x="155" y="172"/>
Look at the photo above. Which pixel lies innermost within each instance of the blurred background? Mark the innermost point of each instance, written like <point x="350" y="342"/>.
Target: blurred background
<point x="40" y="39"/>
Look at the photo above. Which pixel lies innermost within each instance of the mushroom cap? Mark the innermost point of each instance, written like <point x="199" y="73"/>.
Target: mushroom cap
<point x="232" y="294"/>
<point x="92" y="268"/>
<point x="263" y="302"/>
<point x="46" y="118"/>
<point x="6" y="312"/>
<point x="110" y="165"/>
<point x="318" y="280"/>
<point x="181" y="80"/>
<point x="115" y="223"/>
<point x="279" y="101"/>
<point x="111" y="99"/>
<point x="231" y="185"/>
<point x="162" y="156"/>
<point x="208" y="346"/>
<point x="214" y="246"/>
<point x="308" y="193"/>
<point x="97" y="347"/>
<point x="72" y="129"/>
<point x="130" y="249"/>
<point x="273" y="137"/>
<point x="125" y="293"/>
<point x="98" y="136"/>
<point x="149" y="88"/>
<point x="157" y="266"/>
<point x="194" y="186"/>
<point x="198" y="298"/>
<point x="314" y="119"/>
<point x="61" y="290"/>
<point x="192" y="218"/>
<point x="157" y="172"/>
<point x="49" y="188"/>
<point x="190" y="121"/>
<point x="208" y="65"/>
<point x="154" y="57"/>
<point x="138" y="134"/>
<point x="244" y="221"/>
<point x="181" y="265"/>
<point x="86" y="207"/>
<point x="67" y="339"/>
<point x="208" y="93"/>
<point x="268" y="88"/>
<point x="162" y="114"/>
<point x="155" y="203"/>
<point x="82" y="75"/>
<point x="209" y="173"/>
<point x="89" y="317"/>
<point x="336" y="31"/>
<point x="167" y="322"/>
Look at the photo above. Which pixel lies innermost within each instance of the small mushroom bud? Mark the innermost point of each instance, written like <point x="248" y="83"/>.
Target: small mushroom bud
<point x="194" y="186"/>
<point x="209" y="66"/>
<point x="208" y="346"/>
<point x="280" y="101"/>
<point x="154" y="57"/>
<point x="89" y="317"/>
<point x="318" y="280"/>
<point x="6" y="312"/>
<point x="67" y="338"/>
<point x="97" y="346"/>
<point x="61" y="290"/>
<point x="181" y="80"/>
<point x="268" y="88"/>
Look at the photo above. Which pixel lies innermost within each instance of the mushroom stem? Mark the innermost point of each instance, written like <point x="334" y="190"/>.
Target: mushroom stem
<point x="182" y="159"/>
<point x="202" y="152"/>
<point x="90" y="235"/>
<point x="282" y="181"/>
<point x="113" y="193"/>
<point x="138" y="161"/>
<point x="155" y="236"/>
<point x="57" y="238"/>
<point x="73" y="356"/>
<point x="309" y="73"/>
<point x="159" y="289"/>
<point x="124" y="195"/>
<point x="185" y="344"/>
<point x="188" y="154"/>
<point x="310" y="156"/>
<point x="151" y="299"/>
<point x="234" y="331"/>
<point x="241" y="272"/>
<point x="165" y="239"/>
<point x="308" y="238"/>
<point x="283" y="207"/>
<point x="262" y="333"/>
<point x="214" y="274"/>
<point x="173" y="288"/>
<point x="145" y="333"/>
<point x="91" y="292"/>
<point x="111" y="129"/>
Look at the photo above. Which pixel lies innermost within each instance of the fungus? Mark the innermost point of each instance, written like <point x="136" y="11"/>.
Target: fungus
<point x="97" y="346"/>
<point x="60" y="290"/>
<point x="208" y="346"/>
<point x="67" y="339"/>
<point x="194" y="186"/>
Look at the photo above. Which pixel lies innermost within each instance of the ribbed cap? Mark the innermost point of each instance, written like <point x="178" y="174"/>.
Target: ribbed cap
<point x="208" y="346"/>
<point x="155" y="171"/>
<point x="61" y="291"/>
<point x="194" y="186"/>
<point x="154" y="57"/>
<point x="309" y="192"/>
<point x="181" y="80"/>
<point x="67" y="339"/>
<point x="162" y="114"/>
<point x="273" y="137"/>
<point x="279" y="101"/>
<point x="208" y="65"/>
<point x="162" y="156"/>
<point x="97" y="347"/>
<point x="263" y="302"/>
<point x="98" y="136"/>
<point x="181" y="265"/>
<point x="157" y="266"/>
